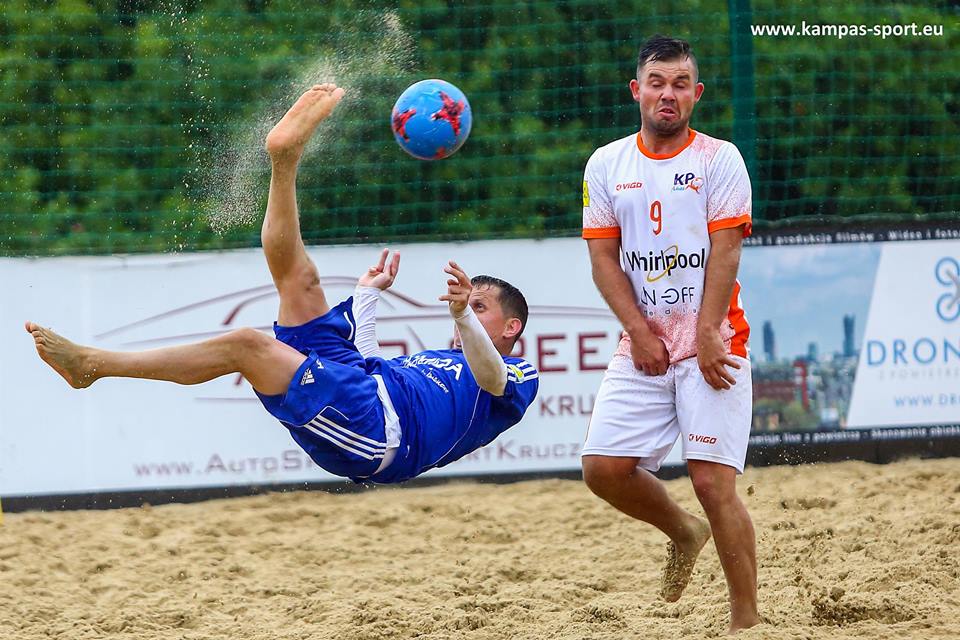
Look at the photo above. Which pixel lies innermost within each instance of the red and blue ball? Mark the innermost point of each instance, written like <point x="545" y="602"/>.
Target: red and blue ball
<point x="431" y="119"/>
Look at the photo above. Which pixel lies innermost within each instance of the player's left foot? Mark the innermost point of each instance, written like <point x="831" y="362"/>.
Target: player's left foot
<point x="680" y="561"/>
<point x="289" y="137"/>
<point x="66" y="358"/>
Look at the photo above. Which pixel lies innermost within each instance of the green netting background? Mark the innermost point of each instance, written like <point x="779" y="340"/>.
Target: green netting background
<point x="136" y="125"/>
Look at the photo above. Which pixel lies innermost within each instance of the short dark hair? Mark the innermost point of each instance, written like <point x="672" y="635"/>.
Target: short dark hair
<point x="510" y="298"/>
<point x="660" y="47"/>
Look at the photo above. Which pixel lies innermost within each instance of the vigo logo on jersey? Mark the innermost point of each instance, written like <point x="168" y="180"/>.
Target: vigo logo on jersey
<point x="664" y="263"/>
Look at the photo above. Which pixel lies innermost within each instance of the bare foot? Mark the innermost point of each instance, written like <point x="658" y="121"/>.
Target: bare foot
<point x="66" y="358"/>
<point x="288" y="137"/>
<point x="740" y="625"/>
<point x="680" y="561"/>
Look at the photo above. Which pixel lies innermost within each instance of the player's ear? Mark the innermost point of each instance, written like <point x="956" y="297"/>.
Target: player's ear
<point x="512" y="328"/>
<point x="698" y="92"/>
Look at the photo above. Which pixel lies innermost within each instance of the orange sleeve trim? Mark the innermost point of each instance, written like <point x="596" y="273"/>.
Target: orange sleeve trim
<point x="730" y="223"/>
<point x="738" y="320"/>
<point x="602" y="232"/>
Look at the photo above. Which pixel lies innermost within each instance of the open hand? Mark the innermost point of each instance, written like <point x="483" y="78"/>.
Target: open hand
<point x="458" y="289"/>
<point x="714" y="360"/>
<point x="382" y="275"/>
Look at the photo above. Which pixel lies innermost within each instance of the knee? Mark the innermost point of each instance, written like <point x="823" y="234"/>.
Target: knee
<point x="603" y="475"/>
<point x="714" y="487"/>
<point x="249" y="341"/>
<point x="298" y="276"/>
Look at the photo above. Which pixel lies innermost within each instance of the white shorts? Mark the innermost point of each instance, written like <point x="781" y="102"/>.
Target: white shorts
<point x="641" y="416"/>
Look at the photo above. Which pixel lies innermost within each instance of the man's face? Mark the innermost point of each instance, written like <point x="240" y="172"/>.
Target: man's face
<point x="484" y="300"/>
<point x="667" y="90"/>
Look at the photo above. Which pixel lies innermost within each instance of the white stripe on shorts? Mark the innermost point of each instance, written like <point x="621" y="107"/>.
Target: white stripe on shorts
<point x="317" y="426"/>
<point x="350" y="434"/>
<point x="324" y="435"/>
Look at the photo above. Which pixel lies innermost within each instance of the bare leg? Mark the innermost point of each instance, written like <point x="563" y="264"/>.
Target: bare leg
<point x="733" y="534"/>
<point x="267" y="363"/>
<point x="294" y="274"/>
<point x="637" y="493"/>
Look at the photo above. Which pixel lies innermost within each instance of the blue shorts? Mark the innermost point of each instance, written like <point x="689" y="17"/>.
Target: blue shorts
<point x="331" y="406"/>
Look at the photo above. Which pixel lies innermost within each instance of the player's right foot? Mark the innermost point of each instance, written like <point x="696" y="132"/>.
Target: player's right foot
<point x="66" y="358"/>
<point x="680" y="561"/>
<point x="288" y="137"/>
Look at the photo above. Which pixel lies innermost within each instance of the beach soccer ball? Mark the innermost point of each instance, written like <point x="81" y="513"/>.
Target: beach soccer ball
<point x="431" y="119"/>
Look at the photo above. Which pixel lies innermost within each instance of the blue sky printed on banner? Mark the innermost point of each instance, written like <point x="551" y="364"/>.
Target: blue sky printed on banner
<point x="805" y="291"/>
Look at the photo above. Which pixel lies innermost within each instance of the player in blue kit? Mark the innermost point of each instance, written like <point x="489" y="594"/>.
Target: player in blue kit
<point x="355" y="413"/>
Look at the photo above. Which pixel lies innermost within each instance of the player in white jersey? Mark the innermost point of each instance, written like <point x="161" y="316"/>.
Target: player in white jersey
<point x="665" y="211"/>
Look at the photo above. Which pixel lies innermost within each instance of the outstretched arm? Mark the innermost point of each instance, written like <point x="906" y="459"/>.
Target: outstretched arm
<point x="371" y="284"/>
<point x="485" y="362"/>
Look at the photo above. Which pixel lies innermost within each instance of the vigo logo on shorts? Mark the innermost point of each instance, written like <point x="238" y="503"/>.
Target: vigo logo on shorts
<point x="696" y="437"/>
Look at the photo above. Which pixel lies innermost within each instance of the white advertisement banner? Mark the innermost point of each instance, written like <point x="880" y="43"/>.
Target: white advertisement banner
<point x="909" y="367"/>
<point x="843" y="336"/>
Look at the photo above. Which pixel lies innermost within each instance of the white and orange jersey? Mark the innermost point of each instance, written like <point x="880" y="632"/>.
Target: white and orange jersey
<point x="664" y="208"/>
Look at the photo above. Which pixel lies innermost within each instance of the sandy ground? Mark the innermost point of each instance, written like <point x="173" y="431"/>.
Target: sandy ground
<point x="846" y="550"/>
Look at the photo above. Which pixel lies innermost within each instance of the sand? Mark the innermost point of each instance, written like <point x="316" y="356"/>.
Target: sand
<point x="847" y="550"/>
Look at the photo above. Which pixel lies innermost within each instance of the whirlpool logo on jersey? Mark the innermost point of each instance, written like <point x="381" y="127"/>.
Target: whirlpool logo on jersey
<point x="658" y="265"/>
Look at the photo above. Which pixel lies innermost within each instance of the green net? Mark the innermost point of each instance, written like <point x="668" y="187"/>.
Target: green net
<point x="137" y="125"/>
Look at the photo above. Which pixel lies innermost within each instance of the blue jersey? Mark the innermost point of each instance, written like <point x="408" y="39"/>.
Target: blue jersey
<point x="444" y="414"/>
<point x="333" y="408"/>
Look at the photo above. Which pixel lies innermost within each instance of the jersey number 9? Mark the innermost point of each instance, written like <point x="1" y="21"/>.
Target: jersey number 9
<point x="656" y="215"/>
